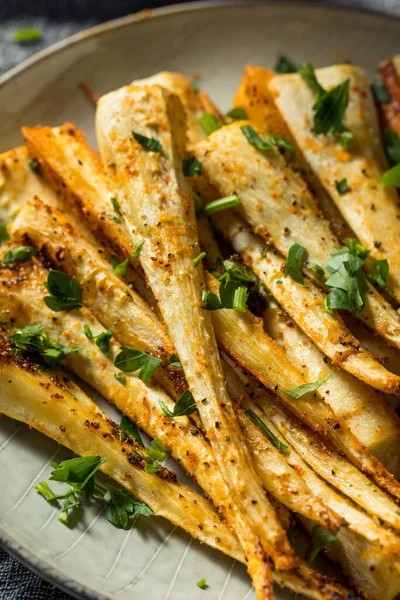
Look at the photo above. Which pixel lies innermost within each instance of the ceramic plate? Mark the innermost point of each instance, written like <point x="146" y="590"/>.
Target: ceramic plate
<point x="93" y="560"/>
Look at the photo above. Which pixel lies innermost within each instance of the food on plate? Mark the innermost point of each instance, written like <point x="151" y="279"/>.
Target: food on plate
<point x="220" y="280"/>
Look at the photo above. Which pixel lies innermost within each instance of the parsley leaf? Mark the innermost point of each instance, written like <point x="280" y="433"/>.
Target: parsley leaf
<point x="319" y="271"/>
<point x="32" y="338"/>
<point x="34" y="165"/>
<point x="116" y="206"/>
<point x="19" y="254"/>
<point x="209" y="123"/>
<point x="320" y="538"/>
<point x="192" y="166"/>
<point x="65" y="294"/>
<point x="307" y="388"/>
<point x="78" y="472"/>
<point x="123" y="506"/>
<point x="129" y="360"/>
<point x="217" y="205"/>
<point x="121" y="268"/>
<point x="341" y="186"/>
<point x="137" y="250"/>
<point x="199" y="258"/>
<point x="121" y="378"/>
<point x="185" y="405"/>
<point x="202" y="584"/>
<point x="379" y="91"/>
<point x="330" y="107"/>
<point x="102" y="340"/>
<point x="232" y="295"/>
<point x="4" y="235"/>
<point x="285" y="65"/>
<point x="147" y="143"/>
<point x="28" y="35"/>
<point x="392" y="146"/>
<point x="155" y="454"/>
<point x="237" y="113"/>
<point x="294" y="262"/>
<point x="127" y="425"/>
<point x="174" y="361"/>
<point x="346" y="137"/>
<point x="266" y="431"/>
<point x="272" y="140"/>
<point x="391" y="177"/>
<point x="380" y="274"/>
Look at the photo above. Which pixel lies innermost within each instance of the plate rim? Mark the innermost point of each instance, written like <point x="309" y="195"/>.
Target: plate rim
<point x="35" y="563"/>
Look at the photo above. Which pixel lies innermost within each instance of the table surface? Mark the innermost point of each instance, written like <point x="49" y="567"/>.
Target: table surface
<point x="58" y="19"/>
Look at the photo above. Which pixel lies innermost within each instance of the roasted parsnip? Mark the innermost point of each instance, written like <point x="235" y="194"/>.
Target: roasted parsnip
<point x="368" y="416"/>
<point x="370" y="207"/>
<point x="390" y="111"/>
<point x="162" y="213"/>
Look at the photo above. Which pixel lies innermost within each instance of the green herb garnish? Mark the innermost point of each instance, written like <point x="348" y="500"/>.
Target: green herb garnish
<point x="285" y="65"/>
<point x="307" y="388"/>
<point x="26" y="36"/>
<point x="379" y="91"/>
<point x="237" y="113"/>
<point x="116" y="206"/>
<point x="199" y="258"/>
<point x="4" y="235"/>
<point x="33" y="339"/>
<point x="102" y="340"/>
<point x="380" y="274"/>
<point x="209" y="123"/>
<point x="202" y="584"/>
<point x="392" y="146"/>
<point x="391" y="177"/>
<point x="232" y="294"/>
<point x="19" y="254"/>
<point x="147" y="143"/>
<point x="185" y="405"/>
<point x="217" y="205"/>
<point x="320" y="539"/>
<point x="129" y="360"/>
<point x="341" y="186"/>
<point x="137" y="250"/>
<point x="174" y="361"/>
<point x="319" y="271"/>
<point x="266" y="431"/>
<point x="272" y="140"/>
<point x="127" y="425"/>
<point x="123" y="507"/>
<point x="120" y="377"/>
<point x="192" y="166"/>
<point x="155" y="455"/>
<point x="34" y="165"/>
<point x="294" y="262"/>
<point x="65" y="294"/>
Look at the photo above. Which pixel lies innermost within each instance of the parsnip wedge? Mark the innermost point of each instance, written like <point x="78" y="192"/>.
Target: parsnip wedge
<point x="370" y="208"/>
<point x="19" y="182"/>
<point x="242" y="336"/>
<point x="156" y="202"/>
<point x="367" y="552"/>
<point x="305" y="305"/>
<point x="55" y="406"/>
<point x="255" y="96"/>
<point x="368" y="416"/>
<point x="278" y="204"/>
<point x="179" y="85"/>
<point x="390" y="111"/>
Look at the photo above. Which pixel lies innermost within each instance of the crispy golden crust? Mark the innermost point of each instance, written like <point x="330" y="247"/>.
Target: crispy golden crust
<point x="390" y="111"/>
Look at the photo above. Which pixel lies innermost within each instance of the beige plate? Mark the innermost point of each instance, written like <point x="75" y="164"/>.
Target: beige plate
<point x="94" y="560"/>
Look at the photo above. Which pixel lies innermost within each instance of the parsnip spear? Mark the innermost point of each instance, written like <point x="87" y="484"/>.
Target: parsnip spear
<point x="51" y="403"/>
<point x="367" y="552"/>
<point x="156" y="202"/>
<point x="370" y="207"/>
<point x="389" y="109"/>
<point x="278" y="204"/>
<point x="364" y="410"/>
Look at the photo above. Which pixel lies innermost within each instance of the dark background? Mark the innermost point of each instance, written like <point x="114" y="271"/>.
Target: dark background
<point x="58" y="19"/>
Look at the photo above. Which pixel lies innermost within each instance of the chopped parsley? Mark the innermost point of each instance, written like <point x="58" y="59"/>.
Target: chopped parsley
<point x="192" y="166"/>
<point x="272" y="140"/>
<point x="202" y="584"/>
<point x="147" y="143"/>
<point x="232" y="294"/>
<point x="199" y="258"/>
<point x="123" y="508"/>
<point x="217" y="205"/>
<point x="380" y="274"/>
<point x="116" y="206"/>
<point x="130" y="428"/>
<point x="102" y="340"/>
<point x="33" y="339"/>
<point x="330" y="107"/>
<point x="209" y="123"/>
<point x="174" y="361"/>
<point x="347" y="282"/>
<point x="237" y="113"/>
<point x="341" y="186"/>
<point x="346" y="137"/>
<point x="391" y="177"/>
<point x="34" y="165"/>
<point x="185" y="405"/>
<point x="266" y="431"/>
<point x="320" y="539"/>
<point x="285" y="65"/>
<point x="155" y="455"/>
<point x="392" y="146"/>
<point x="19" y="254"/>
<point x="129" y="360"/>
<point x="4" y="235"/>
<point x="319" y="271"/>
<point x="120" y="377"/>
<point x="137" y="250"/>
<point x="307" y="388"/>
<point x="26" y="36"/>
<point x="65" y="294"/>
<point x="379" y="91"/>
<point x="294" y="262"/>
